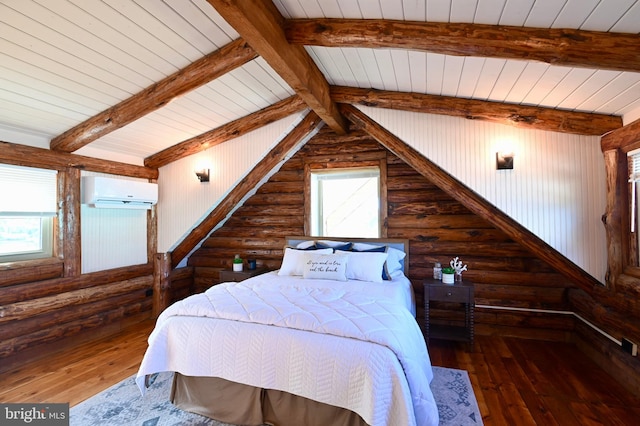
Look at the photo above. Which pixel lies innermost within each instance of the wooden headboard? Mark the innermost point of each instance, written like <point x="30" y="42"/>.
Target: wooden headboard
<point x="397" y="243"/>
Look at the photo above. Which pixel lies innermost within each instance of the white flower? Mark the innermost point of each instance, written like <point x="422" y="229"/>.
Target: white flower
<point x="457" y="265"/>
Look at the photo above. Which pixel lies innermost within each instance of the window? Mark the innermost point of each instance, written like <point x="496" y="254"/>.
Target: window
<point x="27" y="212"/>
<point x="345" y="202"/>
<point x="634" y="179"/>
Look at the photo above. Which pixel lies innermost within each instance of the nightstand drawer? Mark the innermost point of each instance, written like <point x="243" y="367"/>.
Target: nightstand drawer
<point x="450" y="293"/>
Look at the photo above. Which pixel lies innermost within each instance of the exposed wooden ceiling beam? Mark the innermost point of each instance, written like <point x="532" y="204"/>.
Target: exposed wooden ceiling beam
<point x="261" y="24"/>
<point x="566" y="47"/>
<point x="528" y="117"/>
<point x="198" y="73"/>
<point x="626" y="139"/>
<point x="226" y="132"/>
<point x="469" y="198"/>
<point x="24" y="155"/>
<point x="291" y="142"/>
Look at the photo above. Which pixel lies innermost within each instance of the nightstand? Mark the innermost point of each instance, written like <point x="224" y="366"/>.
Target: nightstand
<point x="227" y="275"/>
<point x="460" y="293"/>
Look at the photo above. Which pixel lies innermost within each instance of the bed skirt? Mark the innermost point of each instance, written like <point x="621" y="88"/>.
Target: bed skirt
<point x="240" y="404"/>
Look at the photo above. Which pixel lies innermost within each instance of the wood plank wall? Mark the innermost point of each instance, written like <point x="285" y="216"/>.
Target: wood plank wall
<point x="438" y="228"/>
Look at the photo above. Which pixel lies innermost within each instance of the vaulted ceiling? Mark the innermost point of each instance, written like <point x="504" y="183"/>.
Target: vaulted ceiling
<point x="149" y="81"/>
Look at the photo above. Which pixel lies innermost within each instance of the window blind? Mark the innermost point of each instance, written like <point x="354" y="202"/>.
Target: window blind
<point x="634" y="177"/>
<point x="27" y="191"/>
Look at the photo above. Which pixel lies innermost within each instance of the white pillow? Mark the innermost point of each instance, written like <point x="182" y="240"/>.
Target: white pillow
<point x="394" y="260"/>
<point x="325" y="266"/>
<point x="365" y="266"/>
<point x="293" y="261"/>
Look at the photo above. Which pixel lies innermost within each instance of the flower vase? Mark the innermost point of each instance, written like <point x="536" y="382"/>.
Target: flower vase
<point x="447" y="278"/>
<point x="458" y="277"/>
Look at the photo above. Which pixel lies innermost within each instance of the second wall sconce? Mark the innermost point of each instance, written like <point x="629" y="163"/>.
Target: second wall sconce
<point x="504" y="160"/>
<point x="203" y="175"/>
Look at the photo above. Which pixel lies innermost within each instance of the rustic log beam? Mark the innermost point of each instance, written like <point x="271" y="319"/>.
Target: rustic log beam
<point x="626" y="139"/>
<point x="260" y="23"/>
<point x="30" y="308"/>
<point x="27" y="271"/>
<point x="470" y="199"/>
<point x="613" y="218"/>
<point x="226" y="132"/>
<point x="53" y="319"/>
<point x="56" y="334"/>
<point x="69" y="234"/>
<point x="161" y="283"/>
<point x="23" y="155"/>
<point x="527" y="117"/>
<point x="304" y="130"/>
<point x="617" y="323"/>
<point x="198" y="73"/>
<point x="51" y="287"/>
<point x="562" y="47"/>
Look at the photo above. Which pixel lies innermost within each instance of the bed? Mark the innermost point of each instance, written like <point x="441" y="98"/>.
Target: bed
<point x="329" y="338"/>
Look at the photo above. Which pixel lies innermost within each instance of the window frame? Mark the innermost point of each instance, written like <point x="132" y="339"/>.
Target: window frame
<point x="49" y="224"/>
<point x="314" y="165"/>
<point x="47" y="236"/>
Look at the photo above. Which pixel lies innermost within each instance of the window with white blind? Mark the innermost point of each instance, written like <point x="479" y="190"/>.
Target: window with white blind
<point x="28" y="205"/>
<point x="346" y="202"/>
<point x="634" y="180"/>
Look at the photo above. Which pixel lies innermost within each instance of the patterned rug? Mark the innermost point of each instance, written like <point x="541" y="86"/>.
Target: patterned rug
<point x="122" y="404"/>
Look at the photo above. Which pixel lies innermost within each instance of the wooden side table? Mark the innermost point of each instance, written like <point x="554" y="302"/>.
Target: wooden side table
<point x="227" y="275"/>
<point x="460" y="292"/>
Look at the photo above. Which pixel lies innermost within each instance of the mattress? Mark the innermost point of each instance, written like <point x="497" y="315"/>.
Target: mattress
<point x="352" y="344"/>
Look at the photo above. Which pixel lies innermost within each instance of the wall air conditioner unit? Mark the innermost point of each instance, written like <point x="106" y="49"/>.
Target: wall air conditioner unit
<point x="109" y="193"/>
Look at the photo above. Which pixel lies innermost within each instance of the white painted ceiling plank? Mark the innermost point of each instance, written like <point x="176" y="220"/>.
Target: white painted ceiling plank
<point x="451" y="78"/>
<point x="543" y="13"/>
<point x="515" y="12"/>
<point x="606" y="14"/>
<point x="488" y="12"/>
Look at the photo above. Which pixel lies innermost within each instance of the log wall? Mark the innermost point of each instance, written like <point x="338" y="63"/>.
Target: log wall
<point x="48" y="304"/>
<point x="437" y="227"/>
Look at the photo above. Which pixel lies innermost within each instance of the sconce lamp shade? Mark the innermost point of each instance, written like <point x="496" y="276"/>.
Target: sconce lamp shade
<point x="504" y="160"/>
<point x="203" y="175"/>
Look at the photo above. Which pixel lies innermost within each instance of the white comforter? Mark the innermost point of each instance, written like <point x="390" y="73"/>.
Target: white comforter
<point x="313" y="341"/>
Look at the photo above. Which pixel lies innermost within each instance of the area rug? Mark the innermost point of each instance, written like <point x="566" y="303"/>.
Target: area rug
<point x="122" y="404"/>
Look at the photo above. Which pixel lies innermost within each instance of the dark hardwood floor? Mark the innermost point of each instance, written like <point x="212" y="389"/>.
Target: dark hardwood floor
<point x="516" y="381"/>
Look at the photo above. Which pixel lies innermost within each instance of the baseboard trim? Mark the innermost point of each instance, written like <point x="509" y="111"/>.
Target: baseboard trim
<point x="551" y="311"/>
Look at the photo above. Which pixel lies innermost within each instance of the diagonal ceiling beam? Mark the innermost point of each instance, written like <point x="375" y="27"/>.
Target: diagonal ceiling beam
<point x="566" y="47"/>
<point x="260" y="23"/>
<point x="528" y="117"/>
<point x="226" y="132"/>
<point x="469" y="198"/>
<point x="198" y="73"/>
<point x="297" y="137"/>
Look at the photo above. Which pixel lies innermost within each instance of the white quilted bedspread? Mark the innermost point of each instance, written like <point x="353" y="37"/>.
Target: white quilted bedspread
<point x="324" y="343"/>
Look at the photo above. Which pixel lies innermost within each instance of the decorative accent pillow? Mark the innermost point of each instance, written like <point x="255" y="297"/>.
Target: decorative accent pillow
<point x="394" y="262"/>
<point x="325" y="266"/>
<point x="307" y="245"/>
<point x="365" y="266"/>
<point x="293" y="261"/>
<point x="336" y="245"/>
<point x="368" y="247"/>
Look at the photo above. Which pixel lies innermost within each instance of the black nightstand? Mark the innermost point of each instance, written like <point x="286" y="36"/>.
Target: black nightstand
<point x="227" y="275"/>
<point x="460" y="292"/>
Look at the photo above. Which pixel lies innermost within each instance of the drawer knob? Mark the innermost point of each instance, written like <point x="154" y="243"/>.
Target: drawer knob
<point x="449" y="294"/>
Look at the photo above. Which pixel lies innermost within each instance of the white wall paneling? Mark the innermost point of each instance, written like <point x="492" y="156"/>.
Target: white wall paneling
<point x="556" y="189"/>
<point x="183" y="201"/>
<point x="112" y="238"/>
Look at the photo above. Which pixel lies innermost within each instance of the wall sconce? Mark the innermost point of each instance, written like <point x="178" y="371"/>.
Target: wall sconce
<point x="203" y="175"/>
<point x="504" y="160"/>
